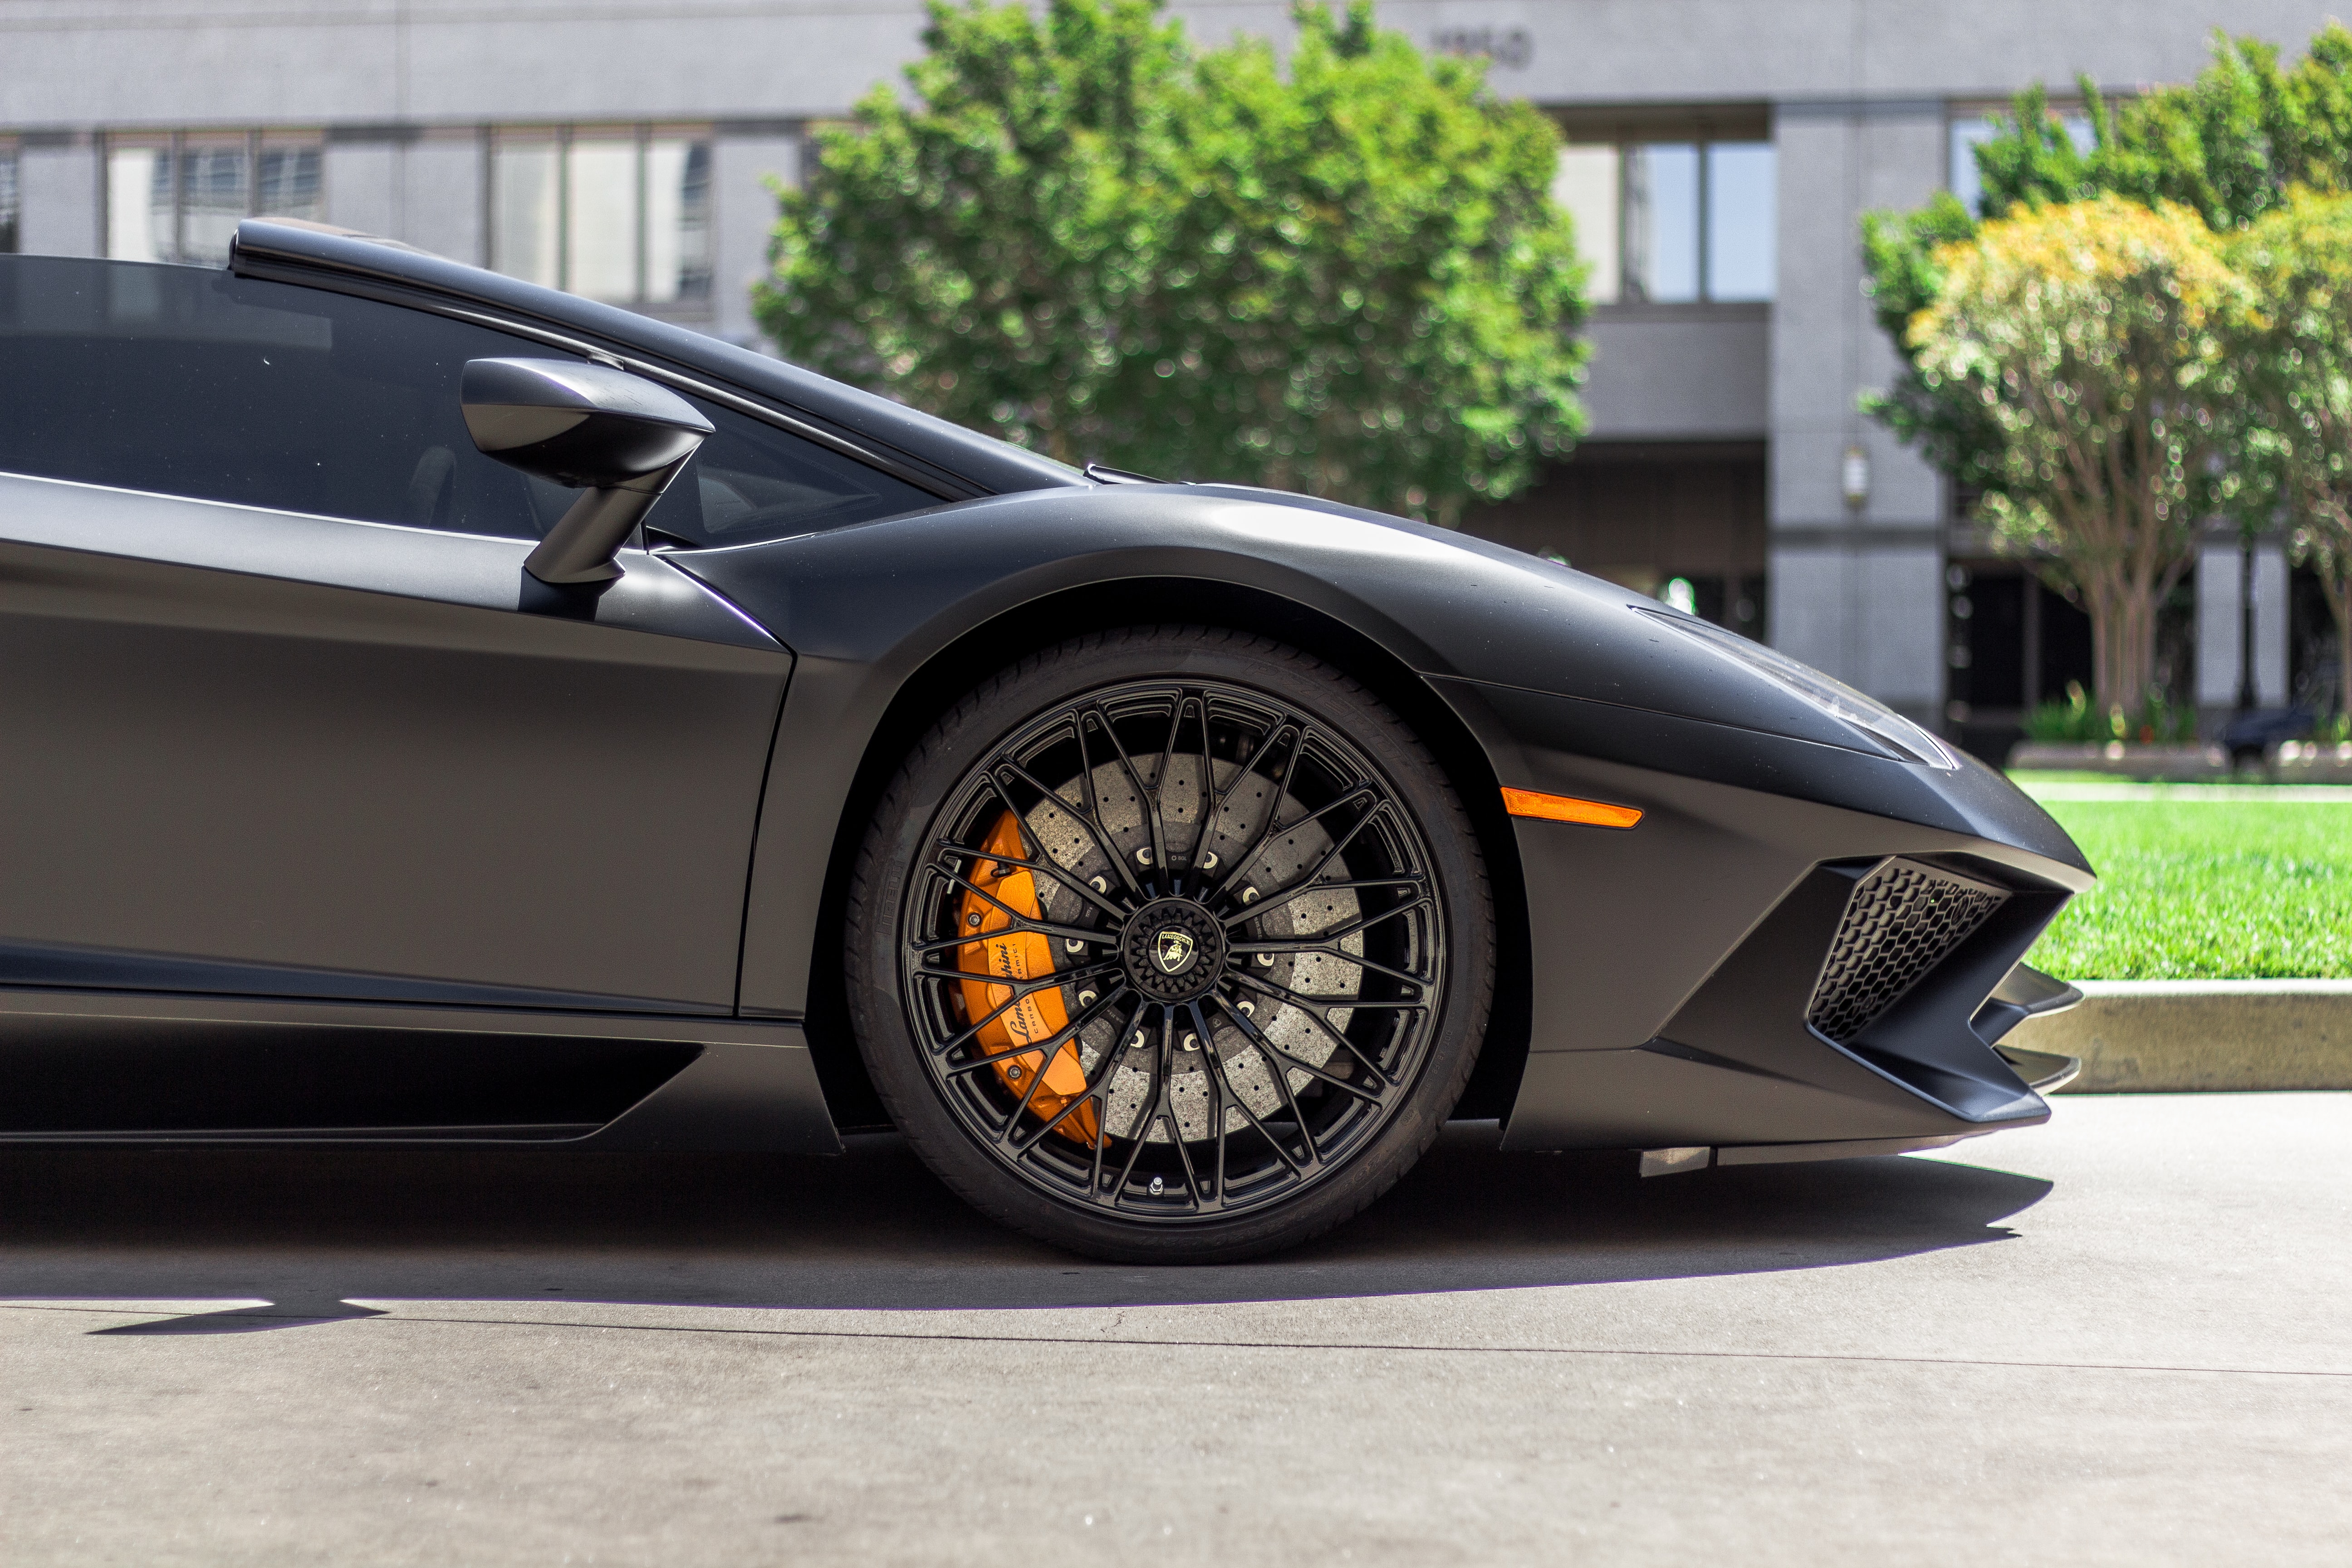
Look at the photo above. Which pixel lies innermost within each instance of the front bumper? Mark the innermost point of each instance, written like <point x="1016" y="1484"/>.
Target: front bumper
<point x="1756" y="971"/>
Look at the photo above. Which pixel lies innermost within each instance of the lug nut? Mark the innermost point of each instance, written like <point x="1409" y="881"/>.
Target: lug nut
<point x="1157" y="1185"/>
<point x="1265" y="960"/>
<point x="1098" y="885"/>
<point x="1248" y="1009"/>
<point x="1086" y="998"/>
<point x="1249" y="895"/>
<point x="1143" y="856"/>
<point x="1072" y="944"/>
<point x="1192" y="1042"/>
<point x="1208" y="861"/>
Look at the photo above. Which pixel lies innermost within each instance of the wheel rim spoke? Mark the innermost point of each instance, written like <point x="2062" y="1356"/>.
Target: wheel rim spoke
<point x="1022" y="991"/>
<point x="1193" y="875"/>
<point x="1014" y="1053"/>
<point x="1142" y="1136"/>
<point x="1096" y="1087"/>
<point x="1159" y="790"/>
<point x="1338" y="844"/>
<point x="1020" y="922"/>
<point x="1258" y="1038"/>
<point x="1333" y="950"/>
<point x="1257" y="907"/>
<point x="1091" y="820"/>
<point x="1242" y="775"/>
<point x="1281" y="1150"/>
<point x="1042" y="862"/>
<point x="1266" y="829"/>
<point x="1212" y="1081"/>
<point x="1315" y="1014"/>
<point x="1148" y="794"/>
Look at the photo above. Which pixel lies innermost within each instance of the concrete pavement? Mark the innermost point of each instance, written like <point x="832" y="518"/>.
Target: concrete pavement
<point x="2123" y="1338"/>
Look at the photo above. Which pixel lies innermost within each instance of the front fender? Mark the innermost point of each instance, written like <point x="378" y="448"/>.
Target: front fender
<point x="866" y="608"/>
<point x="1556" y="674"/>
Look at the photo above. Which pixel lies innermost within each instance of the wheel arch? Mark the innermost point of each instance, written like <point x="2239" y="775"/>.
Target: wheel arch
<point x="935" y="685"/>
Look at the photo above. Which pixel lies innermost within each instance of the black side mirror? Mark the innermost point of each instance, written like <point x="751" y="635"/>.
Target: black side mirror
<point x="615" y="435"/>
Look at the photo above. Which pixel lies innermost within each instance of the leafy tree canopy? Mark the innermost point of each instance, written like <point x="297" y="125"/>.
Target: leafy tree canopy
<point x="2229" y="146"/>
<point x="2297" y="361"/>
<point x="1088" y="237"/>
<point x="2096" y="339"/>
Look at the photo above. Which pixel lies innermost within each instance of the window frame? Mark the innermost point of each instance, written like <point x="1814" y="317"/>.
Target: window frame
<point x="479" y="313"/>
<point x="1622" y="132"/>
<point x="12" y="208"/>
<point x="698" y="304"/>
<point x="1702" y="146"/>
<point x="2073" y="114"/>
<point x="176" y="145"/>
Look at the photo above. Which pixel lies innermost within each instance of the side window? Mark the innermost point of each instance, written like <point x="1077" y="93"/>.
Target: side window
<point x="190" y="382"/>
<point x="193" y="383"/>
<point x="751" y="482"/>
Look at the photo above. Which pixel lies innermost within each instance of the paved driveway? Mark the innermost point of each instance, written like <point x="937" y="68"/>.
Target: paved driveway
<point x="2123" y="1338"/>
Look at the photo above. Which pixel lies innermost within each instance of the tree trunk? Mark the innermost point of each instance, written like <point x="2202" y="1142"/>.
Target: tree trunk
<point x="2122" y="641"/>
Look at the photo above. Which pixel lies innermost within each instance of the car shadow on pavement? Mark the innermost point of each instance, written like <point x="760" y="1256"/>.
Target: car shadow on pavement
<point x="311" y="1232"/>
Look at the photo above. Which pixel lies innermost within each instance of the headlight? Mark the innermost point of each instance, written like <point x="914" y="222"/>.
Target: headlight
<point x="1834" y="697"/>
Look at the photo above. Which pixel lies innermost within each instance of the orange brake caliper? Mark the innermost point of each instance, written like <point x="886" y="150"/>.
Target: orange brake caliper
<point x="1016" y="956"/>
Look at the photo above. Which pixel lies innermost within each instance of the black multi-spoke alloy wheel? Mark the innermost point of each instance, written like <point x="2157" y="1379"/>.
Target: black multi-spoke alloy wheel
<point x="1169" y="944"/>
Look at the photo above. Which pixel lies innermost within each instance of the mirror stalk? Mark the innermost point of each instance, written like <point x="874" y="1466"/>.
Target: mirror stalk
<point x="580" y="547"/>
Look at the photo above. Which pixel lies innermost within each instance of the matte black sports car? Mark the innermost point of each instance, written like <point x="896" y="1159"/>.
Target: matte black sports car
<point x="435" y="710"/>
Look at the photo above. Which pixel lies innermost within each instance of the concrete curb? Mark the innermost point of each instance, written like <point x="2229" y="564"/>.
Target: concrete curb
<point x="2157" y="1035"/>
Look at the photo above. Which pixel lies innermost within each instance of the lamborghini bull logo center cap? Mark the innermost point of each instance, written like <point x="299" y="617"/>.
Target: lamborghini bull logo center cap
<point x="1174" y="950"/>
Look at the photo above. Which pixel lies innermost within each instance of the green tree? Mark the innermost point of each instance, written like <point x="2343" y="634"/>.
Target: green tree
<point x="1086" y="236"/>
<point x="2298" y="360"/>
<point x="2228" y="145"/>
<point x="2096" y="341"/>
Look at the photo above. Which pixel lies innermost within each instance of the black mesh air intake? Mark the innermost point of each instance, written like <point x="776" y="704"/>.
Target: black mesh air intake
<point x="1903" y="918"/>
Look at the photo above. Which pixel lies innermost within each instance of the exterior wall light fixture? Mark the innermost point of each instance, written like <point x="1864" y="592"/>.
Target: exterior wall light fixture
<point x="1853" y="478"/>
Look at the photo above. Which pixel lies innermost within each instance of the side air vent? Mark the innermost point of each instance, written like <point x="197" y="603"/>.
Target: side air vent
<point x="1902" y="920"/>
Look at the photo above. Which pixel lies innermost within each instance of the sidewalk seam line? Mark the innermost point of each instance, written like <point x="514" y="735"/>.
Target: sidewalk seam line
<point x="382" y="1317"/>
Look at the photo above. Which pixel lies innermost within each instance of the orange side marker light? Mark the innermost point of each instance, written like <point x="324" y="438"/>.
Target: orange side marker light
<point x="1568" y="808"/>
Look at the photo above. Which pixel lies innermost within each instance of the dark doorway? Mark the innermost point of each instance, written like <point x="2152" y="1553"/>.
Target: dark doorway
<point x="1682" y="522"/>
<point x="2311" y="644"/>
<point x="2012" y="643"/>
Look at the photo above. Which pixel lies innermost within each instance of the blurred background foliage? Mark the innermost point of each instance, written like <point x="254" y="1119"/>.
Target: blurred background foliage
<point x="2138" y="331"/>
<point x="2155" y="720"/>
<point x="1342" y="274"/>
<point x="2096" y="341"/>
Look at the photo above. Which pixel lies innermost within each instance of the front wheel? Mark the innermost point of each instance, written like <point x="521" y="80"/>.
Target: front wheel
<point x="1169" y="944"/>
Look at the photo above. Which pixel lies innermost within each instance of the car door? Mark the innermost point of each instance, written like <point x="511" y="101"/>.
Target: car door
<point x="281" y="714"/>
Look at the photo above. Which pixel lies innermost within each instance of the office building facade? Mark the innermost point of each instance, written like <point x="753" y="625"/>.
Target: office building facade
<point x="1720" y="155"/>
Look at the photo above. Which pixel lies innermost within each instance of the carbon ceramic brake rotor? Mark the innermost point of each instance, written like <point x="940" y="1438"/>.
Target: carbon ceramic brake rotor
<point x="1275" y="866"/>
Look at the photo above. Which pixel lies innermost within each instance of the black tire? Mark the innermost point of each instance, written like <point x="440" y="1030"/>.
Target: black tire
<point x="1148" y="1073"/>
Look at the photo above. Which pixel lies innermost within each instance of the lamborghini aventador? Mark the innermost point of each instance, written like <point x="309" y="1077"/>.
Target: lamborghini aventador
<point x="438" y="710"/>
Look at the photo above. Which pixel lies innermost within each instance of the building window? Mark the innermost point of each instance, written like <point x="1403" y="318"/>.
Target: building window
<point x="1973" y="127"/>
<point x="1673" y="222"/>
<point x="8" y="203"/>
<point x="616" y="214"/>
<point x="180" y="198"/>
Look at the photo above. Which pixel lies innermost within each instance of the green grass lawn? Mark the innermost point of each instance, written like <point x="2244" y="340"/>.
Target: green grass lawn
<point x="2206" y="891"/>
